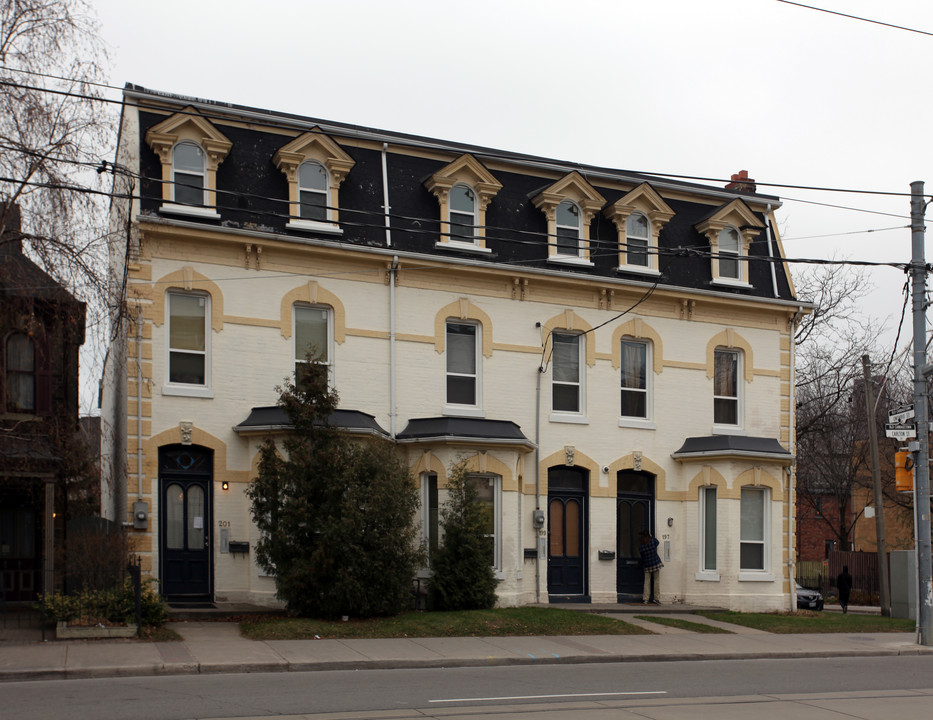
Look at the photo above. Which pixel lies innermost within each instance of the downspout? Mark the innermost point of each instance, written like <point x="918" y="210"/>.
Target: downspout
<point x="139" y="403"/>
<point x="771" y="251"/>
<point x="538" y="541"/>
<point x="791" y="475"/>
<point x="392" y="273"/>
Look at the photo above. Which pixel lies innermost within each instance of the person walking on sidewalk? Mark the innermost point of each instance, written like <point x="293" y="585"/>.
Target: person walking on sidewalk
<point x="844" y="585"/>
<point x="651" y="562"/>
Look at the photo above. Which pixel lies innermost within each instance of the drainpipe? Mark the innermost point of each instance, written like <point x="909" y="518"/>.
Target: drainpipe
<point x="385" y="194"/>
<point x="393" y="271"/>
<point x="538" y="542"/>
<point x="139" y="403"/>
<point x="791" y="550"/>
<point x="771" y="251"/>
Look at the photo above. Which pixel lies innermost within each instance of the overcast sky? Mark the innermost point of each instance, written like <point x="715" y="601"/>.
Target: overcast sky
<point x="794" y="96"/>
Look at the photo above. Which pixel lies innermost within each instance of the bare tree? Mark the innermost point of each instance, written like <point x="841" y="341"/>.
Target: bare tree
<point x="54" y="131"/>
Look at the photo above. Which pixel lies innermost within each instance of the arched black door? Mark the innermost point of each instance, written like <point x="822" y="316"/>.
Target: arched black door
<point x="634" y="513"/>
<point x="185" y="528"/>
<point x="567" y="522"/>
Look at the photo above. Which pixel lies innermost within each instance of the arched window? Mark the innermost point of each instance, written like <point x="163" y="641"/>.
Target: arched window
<point x="312" y="191"/>
<point x="188" y="174"/>
<point x="20" y="373"/>
<point x="568" y="229"/>
<point x="729" y="253"/>
<point x="727" y="371"/>
<point x="637" y="238"/>
<point x="462" y="214"/>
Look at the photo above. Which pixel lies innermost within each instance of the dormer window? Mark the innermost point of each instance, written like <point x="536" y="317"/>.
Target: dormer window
<point x="729" y="251"/>
<point x="637" y="234"/>
<point x="312" y="191"/>
<point x="568" y="230"/>
<point x="188" y="174"/>
<point x="462" y="214"/>
<point x="463" y="188"/>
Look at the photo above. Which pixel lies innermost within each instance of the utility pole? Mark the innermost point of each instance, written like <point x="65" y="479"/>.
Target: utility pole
<point x="879" y="498"/>
<point x="918" y="276"/>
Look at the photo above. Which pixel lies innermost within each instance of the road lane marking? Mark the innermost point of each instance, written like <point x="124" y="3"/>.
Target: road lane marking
<point x="546" y="697"/>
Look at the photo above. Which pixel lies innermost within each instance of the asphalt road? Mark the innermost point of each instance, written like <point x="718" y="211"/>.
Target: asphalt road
<point x="495" y="690"/>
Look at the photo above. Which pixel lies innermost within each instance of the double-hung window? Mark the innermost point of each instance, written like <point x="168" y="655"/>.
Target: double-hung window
<point x="188" y="174"/>
<point x="463" y="386"/>
<point x="635" y="379"/>
<point x="726" y="373"/>
<point x="637" y="237"/>
<point x="487" y="496"/>
<point x="567" y="382"/>
<point x="188" y="361"/>
<point x="753" y="530"/>
<point x="568" y="229"/>
<point x="312" y="191"/>
<point x="312" y="343"/>
<point x="729" y="253"/>
<point x="20" y="373"/>
<point x="708" y="566"/>
<point x="462" y="214"/>
<point x="430" y="527"/>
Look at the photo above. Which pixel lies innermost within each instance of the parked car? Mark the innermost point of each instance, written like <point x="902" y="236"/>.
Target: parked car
<point x="808" y="599"/>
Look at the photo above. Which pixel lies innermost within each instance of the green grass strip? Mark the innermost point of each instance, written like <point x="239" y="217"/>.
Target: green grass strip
<point x="684" y="624"/>
<point x="806" y="621"/>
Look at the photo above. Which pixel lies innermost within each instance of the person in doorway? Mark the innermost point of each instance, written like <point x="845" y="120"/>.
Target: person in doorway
<point x="651" y="562"/>
<point x="844" y="585"/>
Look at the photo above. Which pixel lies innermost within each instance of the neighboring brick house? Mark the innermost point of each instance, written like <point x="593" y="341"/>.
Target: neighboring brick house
<point x="41" y="331"/>
<point x="817" y="516"/>
<point x="608" y="351"/>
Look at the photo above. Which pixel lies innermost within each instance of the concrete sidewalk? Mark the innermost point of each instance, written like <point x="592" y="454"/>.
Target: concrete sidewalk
<point x="218" y="647"/>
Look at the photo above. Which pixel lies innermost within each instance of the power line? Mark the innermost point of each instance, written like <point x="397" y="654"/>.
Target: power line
<point x="856" y="17"/>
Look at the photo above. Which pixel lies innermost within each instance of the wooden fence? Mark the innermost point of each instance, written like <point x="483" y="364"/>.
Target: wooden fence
<point x="863" y="567"/>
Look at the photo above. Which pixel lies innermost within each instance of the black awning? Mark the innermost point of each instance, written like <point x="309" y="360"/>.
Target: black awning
<point x="732" y="446"/>
<point x="272" y="418"/>
<point x="463" y="428"/>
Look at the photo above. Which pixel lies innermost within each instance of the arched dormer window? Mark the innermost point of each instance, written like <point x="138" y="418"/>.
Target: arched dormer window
<point x="462" y="214"/>
<point x="637" y="239"/>
<point x="21" y="373"/>
<point x="188" y="174"/>
<point x="729" y="251"/>
<point x="568" y="229"/>
<point x="312" y="192"/>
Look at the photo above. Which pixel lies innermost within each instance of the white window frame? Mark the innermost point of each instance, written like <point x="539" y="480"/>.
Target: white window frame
<point x="316" y="191"/>
<point x="473" y="409"/>
<point x="762" y="574"/>
<point x="730" y="255"/>
<point x="176" y="171"/>
<point x="573" y="416"/>
<point x="578" y="229"/>
<point x="708" y="494"/>
<point x="187" y="389"/>
<point x="729" y="428"/>
<point x="496" y="482"/>
<point x="452" y="237"/>
<point x="636" y="421"/>
<point x="646" y="239"/>
<point x="299" y="354"/>
<point x="430" y="527"/>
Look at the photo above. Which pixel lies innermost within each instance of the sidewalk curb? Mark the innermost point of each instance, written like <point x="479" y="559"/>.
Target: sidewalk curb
<point x="150" y="670"/>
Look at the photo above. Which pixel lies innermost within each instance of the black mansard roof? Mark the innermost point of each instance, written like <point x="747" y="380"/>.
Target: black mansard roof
<point x="252" y="193"/>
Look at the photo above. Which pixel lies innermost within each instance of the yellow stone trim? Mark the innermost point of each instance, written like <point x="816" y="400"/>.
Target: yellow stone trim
<point x="579" y="460"/>
<point x="312" y="293"/>
<point x="462" y="309"/>
<point x="483" y="463"/>
<point x="643" y="199"/>
<point x="759" y="477"/>
<point x="529" y="349"/>
<point x="465" y="170"/>
<point x="730" y="340"/>
<point x="684" y="365"/>
<point x="574" y="187"/>
<point x="374" y="334"/>
<point x="188" y="279"/>
<point x="253" y="322"/>
<point x="570" y="321"/>
<point x="427" y="461"/>
<point x="318" y="147"/>
<point x="191" y="126"/>
<point x="627" y="462"/>
<point x="708" y="476"/>
<point x="640" y="330"/>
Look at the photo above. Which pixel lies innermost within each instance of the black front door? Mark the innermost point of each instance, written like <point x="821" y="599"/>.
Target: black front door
<point x="185" y="523"/>
<point x="634" y="513"/>
<point x="566" y="570"/>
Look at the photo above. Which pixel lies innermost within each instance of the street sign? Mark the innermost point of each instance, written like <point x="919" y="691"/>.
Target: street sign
<point x="900" y="432"/>
<point x="904" y="412"/>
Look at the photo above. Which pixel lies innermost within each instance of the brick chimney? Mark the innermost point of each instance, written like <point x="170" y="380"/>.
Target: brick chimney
<point x="741" y="182"/>
<point x="11" y="229"/>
